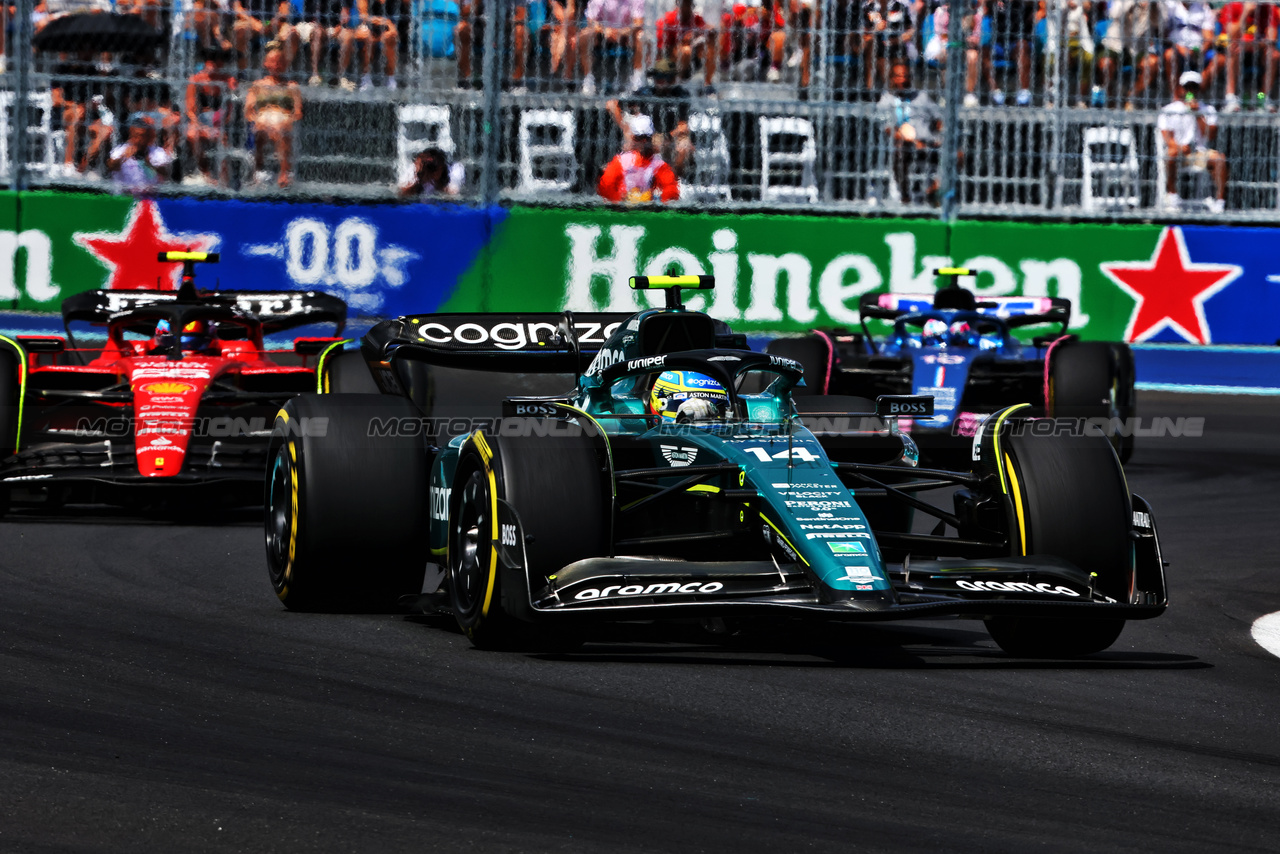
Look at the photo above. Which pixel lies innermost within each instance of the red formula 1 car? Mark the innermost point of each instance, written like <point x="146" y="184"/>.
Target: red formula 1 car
<point x="149" y="389"/>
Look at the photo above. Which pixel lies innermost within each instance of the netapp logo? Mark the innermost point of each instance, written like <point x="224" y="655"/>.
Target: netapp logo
<point x="1015" y="587"/>
<point x="666" y="589"/>
<point x="832" y="526"/>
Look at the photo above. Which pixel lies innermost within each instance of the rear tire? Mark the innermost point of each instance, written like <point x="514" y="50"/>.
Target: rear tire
<point x="1076" y="506"/>
<point x="1093" y="379"/>
<point x="816" y="357"/>
<point x="346" y="513"/>
<point x="10" y="391"/>
<point x="347" y="373"/>
<point x="556" y="487"/>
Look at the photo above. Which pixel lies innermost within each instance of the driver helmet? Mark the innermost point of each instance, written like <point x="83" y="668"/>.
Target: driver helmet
<point x="688" y="397"/>
<point x="934" y="333"/>
<point x="197" y="335"/>
<point x="963" y="335"/>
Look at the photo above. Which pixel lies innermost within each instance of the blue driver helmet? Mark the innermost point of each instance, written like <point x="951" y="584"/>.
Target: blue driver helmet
<point x="196" y="336"/>
<point x="963" y="335"/>
<point x="688" y="397"/>
<point x="934" y="333"/>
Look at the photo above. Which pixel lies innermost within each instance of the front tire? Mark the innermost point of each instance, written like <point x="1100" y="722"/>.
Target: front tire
<point x="346" y="512"/>
<point x="1076" y="506"/>
<point x="1093" y="379"/>
<point x="555" y="485"/>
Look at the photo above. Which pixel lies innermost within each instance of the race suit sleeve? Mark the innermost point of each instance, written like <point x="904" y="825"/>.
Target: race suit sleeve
<point x="611" y="182"/>
<point x="665" y="179"/>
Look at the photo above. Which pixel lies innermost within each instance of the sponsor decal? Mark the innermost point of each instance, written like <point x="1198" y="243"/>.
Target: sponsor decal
<point x="663" y="589"/>
<point x="440" y="503"/>
<point x="544" y="410"/>
<point x="786" y="486"/>
<point x="848" y="549"/>
<point x="605" y="358"/>
<point x="832" y="526"/>
<point x="160" y="440"/>
<point x="27" y="477"/>
<point x="1141" y="520"/>
<point x="167" y="398"/>
<point x="507" y="535"/>
<point x="1015" y="587"/>
<point x="167" y="388"/>
<point x="724" y="359"/>
<point x="506" y="335"/>
<point x="908" y="407"/>
<point x="701" y="382"/>
<point x="647" y="362"/>
<point x="678" y="455"/>
<point x="816" y="493"/>
<point x="771" y="537"/>
<point x="836" y="535"/>
<point x="859" y="574"/>
<point x="784" y="362"/>
<point x="818" y="505"/>
<point x="942" y="359"/>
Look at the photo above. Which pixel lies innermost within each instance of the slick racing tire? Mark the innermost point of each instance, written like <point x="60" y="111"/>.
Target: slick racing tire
<point x="1093" y="379"/>
<point x="10" y="389"/>
<point x="815" y="355"/>
<point x="346" y="372"/>
<point x="346" y="512"/>
<point x="1070" y="500"/>
<point x="556" y="486"/>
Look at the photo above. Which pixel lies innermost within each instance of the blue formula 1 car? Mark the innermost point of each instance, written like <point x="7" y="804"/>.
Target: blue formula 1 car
<point x="962" y="351"/>
<point x="557" y="471"/>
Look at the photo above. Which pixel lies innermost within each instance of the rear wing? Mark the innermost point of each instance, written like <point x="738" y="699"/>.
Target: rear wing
<point x="1014" y="311"/>
<point x="276" y="310"/>
<point x="533" y="342"/>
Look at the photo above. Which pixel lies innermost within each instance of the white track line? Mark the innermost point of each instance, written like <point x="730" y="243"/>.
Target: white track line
<point x="1266" y="631"/>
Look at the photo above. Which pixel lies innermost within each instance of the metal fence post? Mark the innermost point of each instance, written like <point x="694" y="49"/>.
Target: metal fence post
<point x="491" y="75"/>
<point x="18" y="166"/>
<point x="949" y="174"/>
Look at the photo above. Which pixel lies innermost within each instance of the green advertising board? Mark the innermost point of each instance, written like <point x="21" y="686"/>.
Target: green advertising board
<point x="9" y="247"/>
<point x="791" y="273"/>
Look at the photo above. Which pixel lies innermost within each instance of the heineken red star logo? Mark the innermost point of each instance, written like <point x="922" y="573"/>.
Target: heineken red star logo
<point x="1170" y="290"/>
<point x="131" y="255"/>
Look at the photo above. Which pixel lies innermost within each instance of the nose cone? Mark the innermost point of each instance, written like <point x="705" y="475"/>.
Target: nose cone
<point x="164" y="409"/>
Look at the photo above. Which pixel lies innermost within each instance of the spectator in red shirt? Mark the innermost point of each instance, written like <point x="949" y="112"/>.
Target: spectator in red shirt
<point x="751" y="39"/>
<point x="684" y="35"/>
<point x="1250" y="29"/>
<point x="635" y="175"/>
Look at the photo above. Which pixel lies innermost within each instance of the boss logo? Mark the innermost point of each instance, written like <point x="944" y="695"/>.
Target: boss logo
<point x="543" y="409"/>
<point x="507" y="535"/>
<point x="896" y="408"/>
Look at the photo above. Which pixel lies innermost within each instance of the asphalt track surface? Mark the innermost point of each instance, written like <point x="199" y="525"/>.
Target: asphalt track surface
<point x="156" y="697"/>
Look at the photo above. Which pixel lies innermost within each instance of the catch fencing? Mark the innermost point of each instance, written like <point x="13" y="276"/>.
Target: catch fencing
<point x="1055" y="114"/>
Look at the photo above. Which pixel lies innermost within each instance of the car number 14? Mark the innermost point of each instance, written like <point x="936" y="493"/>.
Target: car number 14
<point x="800" y="453"/>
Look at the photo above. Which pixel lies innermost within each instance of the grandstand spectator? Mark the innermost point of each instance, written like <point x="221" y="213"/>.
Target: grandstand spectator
<point x="138" y="164"/>
<point x="685" y="37"/>
<point x="148" y="10"/>
<point x="1013" y="25"/>
<point x="374" y="24"/>
<point x="470" y="31"/>
<point x="612" y="24"/>
<point x="1190" y="42"/>
<point x="273" y="107"/>
<point x="79" y="99"/>
<point x="753" y="42"/>
<point x="257" y="22"/>
<point x="888" y="35"/>
<point x="1077" y="30"/>
<point x="1188" y="128"/>
<point x="1249" y="31"/>
<point x="563" y="42"/>
<point x="206" y="111"/>
<point x="149" y="98"/>
<point x="914" y="125"/>
<point x="639" y="173"/>
<point x="433" y="176"/>
<point x="666" y="103"/>
<point x="1133" y="39"/>
<point x="935" y="49"/>
<point x="207" y="20"/>
<point x="310" y="23"/>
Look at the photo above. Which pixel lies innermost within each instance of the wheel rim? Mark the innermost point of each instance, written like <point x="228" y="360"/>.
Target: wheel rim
<point x="280" y="515"/>
<point x="469" y="533"/>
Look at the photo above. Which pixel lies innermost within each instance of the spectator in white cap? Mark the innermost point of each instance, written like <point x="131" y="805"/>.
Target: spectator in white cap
<point x="639" y="174"/>
<point x="1188" y="128"/>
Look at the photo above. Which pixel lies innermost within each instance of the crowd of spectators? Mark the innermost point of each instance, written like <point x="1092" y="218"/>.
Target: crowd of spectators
<point x="252" y="63"/>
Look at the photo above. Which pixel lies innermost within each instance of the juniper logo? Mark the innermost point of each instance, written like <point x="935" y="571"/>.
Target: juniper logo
<point x="678" y="455"/>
